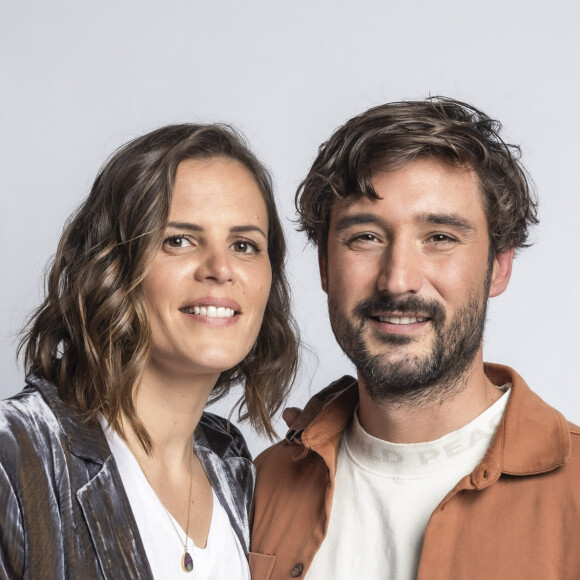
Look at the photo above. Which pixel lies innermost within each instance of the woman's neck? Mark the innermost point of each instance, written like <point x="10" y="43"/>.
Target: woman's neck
<point x="170" y="405"/>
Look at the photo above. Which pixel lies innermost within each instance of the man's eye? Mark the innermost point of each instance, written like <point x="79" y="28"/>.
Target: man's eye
<point x="363" y="238"/>
<point x="441" y="239"/>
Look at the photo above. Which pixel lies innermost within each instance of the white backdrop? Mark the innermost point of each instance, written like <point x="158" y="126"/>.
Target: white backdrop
<point x="80" y="78"/>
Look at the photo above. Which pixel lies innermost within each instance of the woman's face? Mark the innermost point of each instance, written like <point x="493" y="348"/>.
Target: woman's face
<point x="208" y="284"/>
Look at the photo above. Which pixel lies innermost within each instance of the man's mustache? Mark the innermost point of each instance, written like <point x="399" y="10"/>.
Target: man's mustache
<point x="411" y="306"/>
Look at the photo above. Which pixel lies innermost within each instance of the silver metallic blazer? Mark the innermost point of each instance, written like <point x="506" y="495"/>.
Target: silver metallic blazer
<point x="63" y="509"/>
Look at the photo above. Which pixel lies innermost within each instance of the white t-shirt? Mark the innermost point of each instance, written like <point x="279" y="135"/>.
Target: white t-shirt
<point x="385" y="494"/>
<point x="223" y="557"/>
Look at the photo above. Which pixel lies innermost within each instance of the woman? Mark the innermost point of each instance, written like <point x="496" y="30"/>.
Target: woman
<point x="167" y="288"/>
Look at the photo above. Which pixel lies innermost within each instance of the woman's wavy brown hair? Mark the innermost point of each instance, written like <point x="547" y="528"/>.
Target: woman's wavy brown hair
<point x="91" y="335"/>
<point x="389" y="136"/>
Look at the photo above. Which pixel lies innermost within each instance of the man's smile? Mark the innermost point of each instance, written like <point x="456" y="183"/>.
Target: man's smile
<point x="401" y="319"/>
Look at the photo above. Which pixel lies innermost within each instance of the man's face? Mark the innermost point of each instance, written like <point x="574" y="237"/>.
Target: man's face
<point x="408" y="277"/>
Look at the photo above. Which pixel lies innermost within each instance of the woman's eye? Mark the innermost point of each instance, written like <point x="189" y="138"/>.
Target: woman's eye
<point x="245" y="247"/>
<point x="176" y="242"/>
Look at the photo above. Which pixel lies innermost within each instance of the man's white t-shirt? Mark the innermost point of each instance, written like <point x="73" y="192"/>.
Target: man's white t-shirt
<point x="385" y="494"/>
<point x="223" y="557"/>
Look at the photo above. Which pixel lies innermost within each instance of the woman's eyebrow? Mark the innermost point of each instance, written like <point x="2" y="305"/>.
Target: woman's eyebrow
<point x="248" y="228"/>
<point x="197" y="228"/>
<point x="185" y="226"/>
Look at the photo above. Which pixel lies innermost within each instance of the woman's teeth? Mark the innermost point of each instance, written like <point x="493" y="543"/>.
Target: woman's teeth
<point x="210" y="311"/>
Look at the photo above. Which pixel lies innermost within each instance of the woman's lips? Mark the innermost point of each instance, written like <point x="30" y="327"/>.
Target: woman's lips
<point x="210" y="311"/>
<point x="213" y="311"/>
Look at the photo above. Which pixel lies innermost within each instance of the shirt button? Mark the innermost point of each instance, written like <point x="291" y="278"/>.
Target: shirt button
<point x="297" y="570"/>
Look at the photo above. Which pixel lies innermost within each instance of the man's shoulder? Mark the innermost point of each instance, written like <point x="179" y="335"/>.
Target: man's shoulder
<point x="280" y="451"/>
<point x="575" y="444"/>
<point x="326" y="413"/>
<point x="534" y="438"/>
<point x="293" y="475"/>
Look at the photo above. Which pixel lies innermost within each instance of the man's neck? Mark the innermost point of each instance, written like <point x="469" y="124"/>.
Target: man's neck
<point x="401" y="422"/>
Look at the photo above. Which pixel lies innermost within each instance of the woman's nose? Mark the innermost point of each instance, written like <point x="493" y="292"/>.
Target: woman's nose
<point x="215" y="265"/>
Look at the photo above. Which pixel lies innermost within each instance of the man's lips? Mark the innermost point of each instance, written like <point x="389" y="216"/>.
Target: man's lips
<point x="413" y="310"/>
<point x="400" y="318"/>
<point x="399" y="323"/>
<point x="411" y="316"/>
<point x="212" y="307"/>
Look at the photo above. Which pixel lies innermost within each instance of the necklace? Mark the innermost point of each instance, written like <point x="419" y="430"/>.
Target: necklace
<point x="186" y="559"/>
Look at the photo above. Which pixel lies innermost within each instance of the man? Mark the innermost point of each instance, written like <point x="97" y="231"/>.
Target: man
<point x="431" y="465"/>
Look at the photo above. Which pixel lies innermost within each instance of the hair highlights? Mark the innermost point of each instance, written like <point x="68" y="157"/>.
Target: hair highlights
<point x="91" y="335"/>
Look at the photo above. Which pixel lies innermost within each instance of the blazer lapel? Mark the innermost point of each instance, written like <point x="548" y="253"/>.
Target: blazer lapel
<point x="112" y="526"/>
<point x="100" y="492"/>
<point x="225" y="478"/>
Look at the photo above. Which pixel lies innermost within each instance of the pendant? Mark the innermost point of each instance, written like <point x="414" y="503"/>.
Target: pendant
<point x="187" y="562"/>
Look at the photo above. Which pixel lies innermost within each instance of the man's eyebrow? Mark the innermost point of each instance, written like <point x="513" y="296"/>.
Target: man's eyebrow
<point x="445" y="219"/>
<point x="442" y="219"/>
<point x="357" y="219"/>
<point x="187" y="226"/>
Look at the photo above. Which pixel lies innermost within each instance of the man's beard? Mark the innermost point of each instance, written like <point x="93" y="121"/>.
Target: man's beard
<point x="412" y="378"/>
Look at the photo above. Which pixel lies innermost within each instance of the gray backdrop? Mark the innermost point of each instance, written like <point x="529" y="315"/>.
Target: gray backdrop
<point x="80" y="78"/>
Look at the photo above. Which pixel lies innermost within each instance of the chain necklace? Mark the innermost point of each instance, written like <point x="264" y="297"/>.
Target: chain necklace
<point x="186" y="559"/>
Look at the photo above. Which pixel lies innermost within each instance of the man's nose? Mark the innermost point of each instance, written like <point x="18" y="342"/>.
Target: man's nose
<point x="400" y="269"/>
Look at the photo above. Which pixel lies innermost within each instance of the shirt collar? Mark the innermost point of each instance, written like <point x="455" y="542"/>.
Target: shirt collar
<point x="531" y="438"/>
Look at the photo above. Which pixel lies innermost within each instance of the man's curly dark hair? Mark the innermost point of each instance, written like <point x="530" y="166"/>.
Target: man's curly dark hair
<point x="389" y="136"/>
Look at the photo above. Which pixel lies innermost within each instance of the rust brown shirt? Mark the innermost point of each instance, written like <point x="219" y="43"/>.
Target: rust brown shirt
<point x="517" y="515"/>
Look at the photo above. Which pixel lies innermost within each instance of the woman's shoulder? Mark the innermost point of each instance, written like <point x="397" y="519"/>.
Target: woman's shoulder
<point x="26" y="410"/>
<point x="48" y="435"/>
<point x="29" y="434"/>
<point x="222" y="437"/>
<point x="37" y="419"/>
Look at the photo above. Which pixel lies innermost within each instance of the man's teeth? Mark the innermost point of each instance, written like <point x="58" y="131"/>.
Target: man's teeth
<point x="401" y="319"/>
<point x="210" y="311"/>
